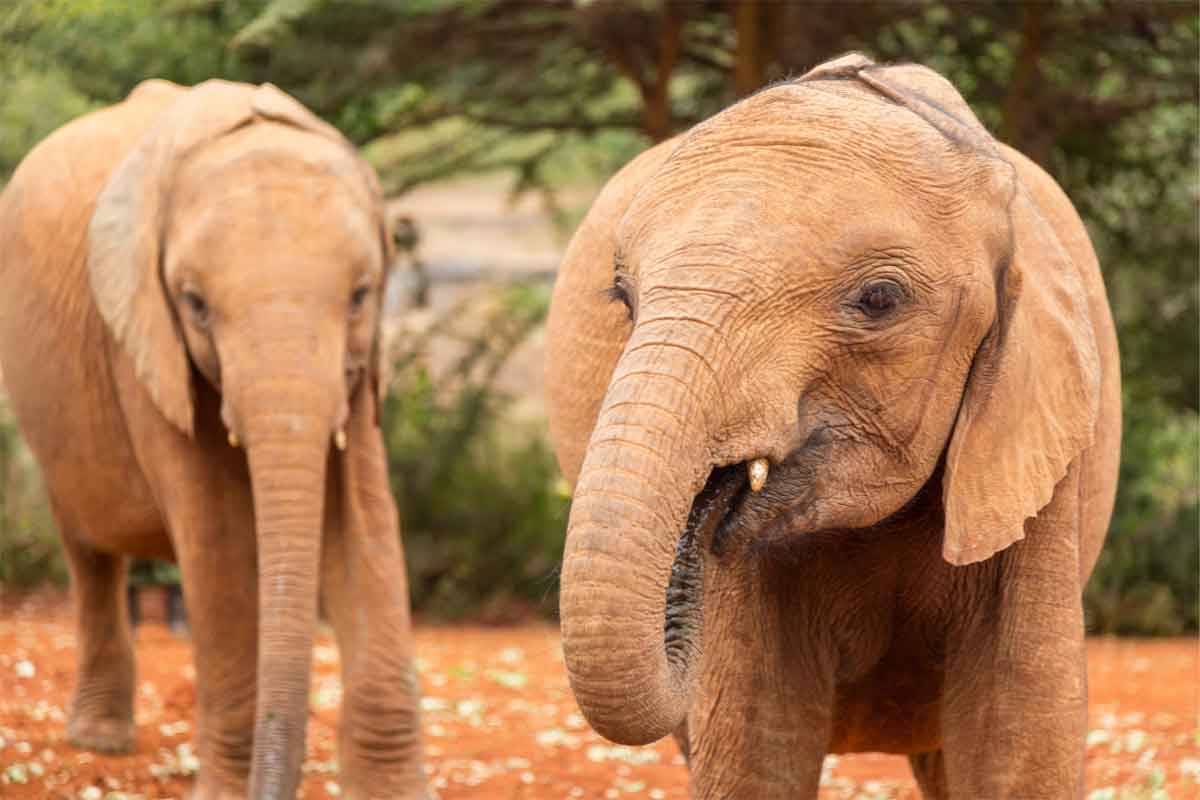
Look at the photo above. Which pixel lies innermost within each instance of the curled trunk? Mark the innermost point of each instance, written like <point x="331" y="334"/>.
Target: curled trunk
<point x="630" y="653"/>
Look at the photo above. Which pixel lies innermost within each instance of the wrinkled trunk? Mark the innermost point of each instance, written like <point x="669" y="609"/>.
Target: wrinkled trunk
<point x="287" y="454"/>
<point x="630" y="664"/>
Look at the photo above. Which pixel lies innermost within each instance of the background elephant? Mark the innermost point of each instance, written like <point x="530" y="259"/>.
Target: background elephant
<point x="182" y="272"/>
<point x="847" y="277"/>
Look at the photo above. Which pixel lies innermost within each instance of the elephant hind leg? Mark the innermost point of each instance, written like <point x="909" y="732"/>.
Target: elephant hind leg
<point x="101" y="716"/>
<point x="930" y="771"/>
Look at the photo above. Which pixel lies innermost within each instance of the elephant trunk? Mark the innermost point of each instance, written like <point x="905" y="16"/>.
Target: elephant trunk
<point x="629" y="651"/>
<point x="287" y="452"/>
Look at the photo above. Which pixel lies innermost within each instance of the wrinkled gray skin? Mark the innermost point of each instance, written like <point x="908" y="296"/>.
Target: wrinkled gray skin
<point x="845" y="276"/>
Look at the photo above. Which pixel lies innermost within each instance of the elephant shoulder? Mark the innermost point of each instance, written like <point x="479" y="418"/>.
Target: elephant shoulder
<point x="69" y="167"/>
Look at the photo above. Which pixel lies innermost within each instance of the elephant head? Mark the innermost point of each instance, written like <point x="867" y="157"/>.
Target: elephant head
<point x="839" y="293"/>
<point x="242" y="243"/>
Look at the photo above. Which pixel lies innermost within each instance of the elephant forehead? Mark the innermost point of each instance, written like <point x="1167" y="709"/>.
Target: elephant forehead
<point x="758" y="226"/>
<point x="268" y="151"/>
<point x="272" y="222"/>
<point x="798" y="155"/>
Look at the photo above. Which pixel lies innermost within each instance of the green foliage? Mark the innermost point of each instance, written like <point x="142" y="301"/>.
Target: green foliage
<point x="557" y="93"/>
<point x="29" y="549"/>
<point x="59" y="58"/>
<point x="482" y="507"/>
<point x="1146" y="578"/>
<point x="146" y="572"/>
<point x="32" y="105"/>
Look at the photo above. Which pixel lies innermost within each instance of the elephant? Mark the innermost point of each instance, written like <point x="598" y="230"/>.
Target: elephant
<point x="191" y="285"/>
<point x="834" y="381"/>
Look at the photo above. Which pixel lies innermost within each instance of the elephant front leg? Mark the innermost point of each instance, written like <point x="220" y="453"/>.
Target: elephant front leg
<point x="101" y="716"/>
<point x="365" y="592"/>
<point x="1015" y="714"/>
<point x="760" y="723"/>
<point x="218" y="562"/>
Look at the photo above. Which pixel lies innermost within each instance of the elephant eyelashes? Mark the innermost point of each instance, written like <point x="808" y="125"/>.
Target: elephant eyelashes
<point x="357" y="298"/>
<point x="196" y="306"/>
<point x="618" y="292"/>
<point x="879" y="299"/>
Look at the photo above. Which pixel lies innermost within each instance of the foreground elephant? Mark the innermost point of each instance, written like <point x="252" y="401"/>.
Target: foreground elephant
<point x="835" y="380"/>
<point x="190" y="289"/>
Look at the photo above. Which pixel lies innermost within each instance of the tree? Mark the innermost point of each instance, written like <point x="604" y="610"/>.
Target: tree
<point x="1103" y="93"/>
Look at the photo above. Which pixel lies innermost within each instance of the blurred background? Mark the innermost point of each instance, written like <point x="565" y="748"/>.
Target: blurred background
<point x="493" y="124"/>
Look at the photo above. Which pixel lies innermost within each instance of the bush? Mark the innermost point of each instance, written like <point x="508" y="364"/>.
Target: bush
<point x="482" y="507"/>
<point x="29" y="549"/>
<point x="1146" y="578"/>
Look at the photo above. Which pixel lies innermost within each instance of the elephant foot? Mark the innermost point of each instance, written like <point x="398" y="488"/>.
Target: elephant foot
<point x="212" y="790"/>
<point x="416" y="794"/>
<point x="102" y="735"/>
<point x="408" y="787"/>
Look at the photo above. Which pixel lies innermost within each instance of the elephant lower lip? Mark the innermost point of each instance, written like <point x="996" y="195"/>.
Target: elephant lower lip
<point x="710" y="511"/>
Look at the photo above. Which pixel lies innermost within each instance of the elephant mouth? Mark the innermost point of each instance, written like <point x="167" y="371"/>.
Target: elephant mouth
<point x="709" y="524"/>
<point x="713" y="517"/>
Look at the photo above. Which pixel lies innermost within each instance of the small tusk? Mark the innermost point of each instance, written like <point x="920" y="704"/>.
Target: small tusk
<point x="758" y="469"/>
<point x="339" y="439"/>
<point x="233" y="440"/>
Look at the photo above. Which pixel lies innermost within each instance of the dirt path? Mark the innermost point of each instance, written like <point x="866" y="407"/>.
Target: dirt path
<point x="500" y="724"/>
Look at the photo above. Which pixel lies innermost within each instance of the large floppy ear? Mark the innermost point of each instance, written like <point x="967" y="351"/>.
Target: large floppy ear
<point x="380" y="367"/>
<point x="125" y="243"/>
<point x="1032" y="397"/>
<point x="380" y="374"/>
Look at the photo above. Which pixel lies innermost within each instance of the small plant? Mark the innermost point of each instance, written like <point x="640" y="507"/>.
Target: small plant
<point x="29" y="549"/>
<point x="482" y="507"/>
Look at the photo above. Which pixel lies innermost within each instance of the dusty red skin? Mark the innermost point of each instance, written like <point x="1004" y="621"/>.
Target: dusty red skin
<point x="540" y="747"/>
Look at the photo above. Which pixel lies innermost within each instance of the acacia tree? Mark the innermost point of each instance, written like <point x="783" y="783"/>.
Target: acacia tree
<point x="1103" y="93"/>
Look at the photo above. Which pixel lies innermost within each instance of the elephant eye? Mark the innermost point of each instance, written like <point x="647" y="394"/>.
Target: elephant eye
<point x="620" y="292"/>
<point x="196" y="306"/>
<point x="879" y="298"/>
<point x="358" y="297"/>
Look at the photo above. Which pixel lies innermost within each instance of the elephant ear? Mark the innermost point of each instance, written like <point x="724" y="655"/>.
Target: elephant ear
<point x="125" y="243"/>
<point x="380" y="368"/>
<point x="1032" y="397"/>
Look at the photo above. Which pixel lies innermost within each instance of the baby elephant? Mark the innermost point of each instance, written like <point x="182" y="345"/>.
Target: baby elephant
<point x="190" y="293"/>
<point x="835" y="380"/>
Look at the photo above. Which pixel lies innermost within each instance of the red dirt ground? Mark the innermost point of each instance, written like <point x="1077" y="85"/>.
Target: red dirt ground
<point x="499" y="722"/>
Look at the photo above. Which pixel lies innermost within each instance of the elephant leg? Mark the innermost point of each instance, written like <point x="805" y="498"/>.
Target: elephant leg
<point x="218" y="561"/>
<point x="101" y="716"/>
<point x="1015" y="710"/>
<point x="681" y="740"/>
<point x="365" y="593"/>
<point x="760" y="722"/>
<point x="930" y="771"/>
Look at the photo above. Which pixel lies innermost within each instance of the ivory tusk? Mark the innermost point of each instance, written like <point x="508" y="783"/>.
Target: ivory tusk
<point x="233" y="439"/>
<point x="758" y="469"/>
<point x="339" y="439"/>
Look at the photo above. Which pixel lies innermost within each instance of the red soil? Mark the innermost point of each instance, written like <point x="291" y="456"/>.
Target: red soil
<point x="499" y="721"/>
